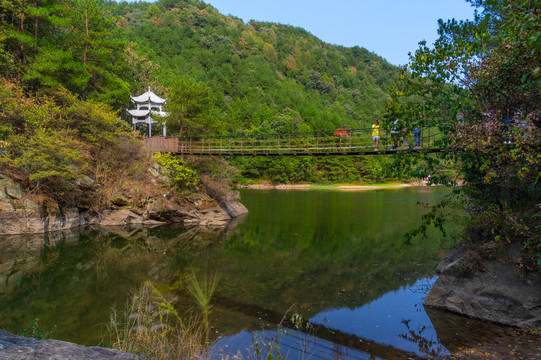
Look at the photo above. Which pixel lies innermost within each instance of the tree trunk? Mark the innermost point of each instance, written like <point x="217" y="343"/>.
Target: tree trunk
<point x="21" y="58"/>
<point x="36" y="34"/>
<point x="87" y="36"/>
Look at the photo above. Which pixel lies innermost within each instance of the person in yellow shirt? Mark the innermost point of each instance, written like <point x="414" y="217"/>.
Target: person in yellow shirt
<point x="375" y="135"/>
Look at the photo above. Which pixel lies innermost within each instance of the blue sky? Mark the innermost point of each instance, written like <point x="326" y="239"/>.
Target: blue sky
<point x="389" y="28"/>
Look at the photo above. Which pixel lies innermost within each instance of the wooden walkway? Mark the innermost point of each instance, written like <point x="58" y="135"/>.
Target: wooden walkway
<point x="339" y="142"/>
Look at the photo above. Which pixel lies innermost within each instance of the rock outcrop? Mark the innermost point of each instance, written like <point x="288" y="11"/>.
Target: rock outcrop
<point x="233" y="208"/>
<point x="23" y="216"/>
<point x="500" y="293"/>
<point x="14" y="347"/>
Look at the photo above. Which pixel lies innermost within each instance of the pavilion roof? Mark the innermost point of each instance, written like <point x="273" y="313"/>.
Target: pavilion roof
<point x="148" y="96"/>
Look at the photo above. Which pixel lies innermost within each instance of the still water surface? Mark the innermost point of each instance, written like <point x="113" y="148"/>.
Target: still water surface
<point x="338" y="259"/>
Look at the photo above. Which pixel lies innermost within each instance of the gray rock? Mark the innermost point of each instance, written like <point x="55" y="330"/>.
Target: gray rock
<point x="84" y="181"/>
<point x="10" y="187"/>
<point x="500" y="294"/>
<point x="234" y="208"/>
<point x="5" y="205"/>
<point x="119" y="217"/>
<point x="14" y="347"/>
<point x="71" y="219"/>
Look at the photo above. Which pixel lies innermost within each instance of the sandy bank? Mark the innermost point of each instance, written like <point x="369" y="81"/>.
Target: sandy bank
<point x="326" y="187"/>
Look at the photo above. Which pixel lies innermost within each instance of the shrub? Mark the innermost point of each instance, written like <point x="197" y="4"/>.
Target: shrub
<point x="173" y="168"/>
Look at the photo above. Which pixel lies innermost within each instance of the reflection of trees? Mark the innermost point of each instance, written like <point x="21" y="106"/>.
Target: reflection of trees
<point x="306" y="337"/>
<point x="416" y="336"/>
<point x="317" y="258"/>
<point x="74" y="278"/>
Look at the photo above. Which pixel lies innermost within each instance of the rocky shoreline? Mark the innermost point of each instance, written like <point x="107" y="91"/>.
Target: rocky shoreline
<point x="499" y="292"/>
<point x="20" y="215"/>
<point x="13" y="347"/>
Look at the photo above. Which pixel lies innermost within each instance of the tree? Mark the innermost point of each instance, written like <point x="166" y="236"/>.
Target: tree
<point x="287" y="121"/>
<point x="73" y="44"/>
<point x="192" y="108"/>
<point x="480" y="86"/>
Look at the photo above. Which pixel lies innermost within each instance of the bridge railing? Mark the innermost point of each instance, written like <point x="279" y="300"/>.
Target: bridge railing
<point x="342" y="141"/>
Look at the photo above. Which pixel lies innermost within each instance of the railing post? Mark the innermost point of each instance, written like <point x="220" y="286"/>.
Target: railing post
<point x="289" y="141"/>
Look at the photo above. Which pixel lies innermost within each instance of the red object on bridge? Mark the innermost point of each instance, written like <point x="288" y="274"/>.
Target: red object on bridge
<point x="340" y="132"/>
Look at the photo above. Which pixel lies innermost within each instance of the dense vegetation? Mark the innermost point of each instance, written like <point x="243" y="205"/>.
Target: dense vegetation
<point x="491" y="117"/>
<point x="221" y="76"/>
<point x="261" y="77"/>
<point x="227" y="77"/>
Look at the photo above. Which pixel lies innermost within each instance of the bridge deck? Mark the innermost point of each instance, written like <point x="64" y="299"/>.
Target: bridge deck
<point x="340" y="142"/>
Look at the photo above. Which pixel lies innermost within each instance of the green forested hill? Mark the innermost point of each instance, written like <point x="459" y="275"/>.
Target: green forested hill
<point x="264" y="77"/>
<point x="221" y="76"/>
<point x="235" y="77"/>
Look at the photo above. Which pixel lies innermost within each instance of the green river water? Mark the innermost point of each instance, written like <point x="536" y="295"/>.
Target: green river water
<point x="338" y="257"/>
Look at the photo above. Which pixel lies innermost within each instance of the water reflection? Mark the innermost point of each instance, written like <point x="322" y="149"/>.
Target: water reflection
<point x="397" y="319"/>
<point x="338" y="256"/>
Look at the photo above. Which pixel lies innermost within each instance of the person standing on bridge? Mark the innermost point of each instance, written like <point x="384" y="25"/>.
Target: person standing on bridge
<point x="375" y="135"/>
<point x="417" y="136"/>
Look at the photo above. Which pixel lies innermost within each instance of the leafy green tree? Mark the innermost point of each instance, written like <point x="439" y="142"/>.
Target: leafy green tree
<point x="75" y="45"/>
<point x="479" y="86"/>
<point x="287" y="121"/>
<point x="174" y="169"/>
<point x="192" y="109"/>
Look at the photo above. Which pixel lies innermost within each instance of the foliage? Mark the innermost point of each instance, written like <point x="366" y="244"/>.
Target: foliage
<point x="74" y="44"/>
<point x="51" y="142"/>
<point x="255" y="73"/>
<point x="216" y="168"/>
<point x="32" y="330"/>
<point x="221" y="76"/>
<point x="202" y="292"/>
<point x="479" y="86"/>
<point x="192" y="108"/>
<point x="153" y="329"/>
<point x="173" y="167"/>
<point x="322" y="170"/>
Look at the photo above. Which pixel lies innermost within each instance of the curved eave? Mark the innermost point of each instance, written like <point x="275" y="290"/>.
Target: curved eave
<point x="148" y="96"/>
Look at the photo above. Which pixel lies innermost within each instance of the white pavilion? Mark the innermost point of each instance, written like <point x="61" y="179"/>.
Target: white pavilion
<point x="147" y="105"/>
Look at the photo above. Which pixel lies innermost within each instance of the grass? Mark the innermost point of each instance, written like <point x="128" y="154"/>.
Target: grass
<point x="153" y="329"/>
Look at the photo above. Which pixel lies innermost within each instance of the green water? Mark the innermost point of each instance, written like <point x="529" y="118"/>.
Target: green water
<point x="339" y="257"/>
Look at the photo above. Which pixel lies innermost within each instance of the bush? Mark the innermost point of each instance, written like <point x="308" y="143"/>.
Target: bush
<point x="172" y="167"/>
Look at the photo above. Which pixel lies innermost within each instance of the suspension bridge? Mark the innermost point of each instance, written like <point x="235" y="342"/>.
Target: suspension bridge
<point x="338" y="142"/>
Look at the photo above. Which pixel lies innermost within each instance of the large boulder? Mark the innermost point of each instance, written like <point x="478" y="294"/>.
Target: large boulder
<point x="499" y="293"/>
<point x="13" y="347"/>
<point x="233" y="207"/>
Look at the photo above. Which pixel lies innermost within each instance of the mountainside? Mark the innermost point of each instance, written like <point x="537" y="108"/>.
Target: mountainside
<point x="262" y="77"/>
<point x="68" y="68"/>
